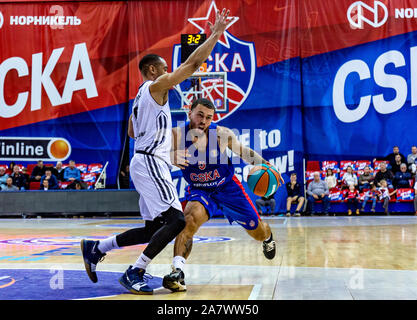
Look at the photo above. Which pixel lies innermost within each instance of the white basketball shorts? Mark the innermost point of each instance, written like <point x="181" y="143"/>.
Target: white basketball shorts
<point x="153" y="182"/>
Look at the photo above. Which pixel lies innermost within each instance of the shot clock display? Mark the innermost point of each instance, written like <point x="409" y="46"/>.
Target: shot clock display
<point x="190" y="42"/>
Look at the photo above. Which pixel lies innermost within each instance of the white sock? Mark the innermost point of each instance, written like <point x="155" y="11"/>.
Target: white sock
<point x="178" y="262"/>
<point x="142" y="262"/>
<point x="107" y="244"/>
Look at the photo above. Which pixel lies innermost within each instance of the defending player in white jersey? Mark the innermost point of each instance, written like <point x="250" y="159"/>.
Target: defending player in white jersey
<point x="150" y="125"/>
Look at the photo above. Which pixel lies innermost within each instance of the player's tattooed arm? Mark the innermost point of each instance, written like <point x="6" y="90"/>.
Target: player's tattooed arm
<point x="227" y="138"/>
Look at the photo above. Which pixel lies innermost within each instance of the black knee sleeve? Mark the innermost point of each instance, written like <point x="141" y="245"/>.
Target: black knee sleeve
<point x="175" y="218"/>
<point x="174" y="223"/>
<point x="139" y="235"/>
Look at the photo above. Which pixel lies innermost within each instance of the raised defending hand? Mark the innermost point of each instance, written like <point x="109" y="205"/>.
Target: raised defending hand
<point x="221" y="22"/>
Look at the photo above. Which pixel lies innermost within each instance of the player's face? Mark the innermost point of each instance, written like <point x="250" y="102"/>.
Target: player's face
<point x="161" y="68"/>
<point x="201" y="117"/>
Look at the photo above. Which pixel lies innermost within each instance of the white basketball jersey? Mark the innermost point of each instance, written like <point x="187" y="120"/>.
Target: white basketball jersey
<point x="152" y="124"/>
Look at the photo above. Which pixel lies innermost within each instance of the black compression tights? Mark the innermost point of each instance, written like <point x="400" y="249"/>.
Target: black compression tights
<point x="158" y="232"/>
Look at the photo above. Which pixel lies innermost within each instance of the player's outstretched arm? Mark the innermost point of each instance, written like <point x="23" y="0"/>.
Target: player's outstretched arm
<point x="194" y="61"/>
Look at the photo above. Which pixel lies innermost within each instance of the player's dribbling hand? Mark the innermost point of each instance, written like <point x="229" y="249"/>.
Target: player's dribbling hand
<point x="221" y="22"/>
<point x="180" y="158"/>
<point x="280" y="180"/>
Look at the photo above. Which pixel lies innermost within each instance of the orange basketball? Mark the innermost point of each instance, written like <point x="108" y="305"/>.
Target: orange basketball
<point x="263" y="180"/>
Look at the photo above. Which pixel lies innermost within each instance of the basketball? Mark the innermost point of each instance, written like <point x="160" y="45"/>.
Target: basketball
<point x="263" y="180"/>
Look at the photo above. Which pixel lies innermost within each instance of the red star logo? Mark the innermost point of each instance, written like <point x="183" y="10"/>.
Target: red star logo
<point x="202" y="24"/>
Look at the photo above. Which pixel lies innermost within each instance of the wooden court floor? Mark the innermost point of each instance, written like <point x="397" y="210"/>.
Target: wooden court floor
<point x="317" y="258"/>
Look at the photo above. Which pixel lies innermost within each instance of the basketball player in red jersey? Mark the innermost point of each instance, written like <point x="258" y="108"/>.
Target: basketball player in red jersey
<point x="212" y="186"/>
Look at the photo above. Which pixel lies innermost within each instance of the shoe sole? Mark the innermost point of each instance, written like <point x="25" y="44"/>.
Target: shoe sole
<point x="133" y="290"/>
<point x="174" y="286"/>
<point x="91" y="275"/>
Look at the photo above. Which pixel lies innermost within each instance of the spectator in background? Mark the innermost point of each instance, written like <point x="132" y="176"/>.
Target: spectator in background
<point x="9" y="170"/>
<point x="38" y="172"/>
<point x="72" y="173"/>
<point x="124" y="178"/>
<point x="385" y="195"/>
<point x="349" y="178"/>
<point x="44" y="185"/>
<point x="19" y="180"/>
<point x="294" y="195"/>
<point x="384" y="174"/>
<point x="27" y="177"/>
<point x="318" y="190"/>
<point x="370" y="195"/>
<point x="415" y="198"/>
<point x="395" y="167"/>
<point x="391" y="156"/>
<point x="411" y="160"/>
<point x="330" y="179"/>
<point x="366" y="179"/>
<point x="401" y="178"/>
<point x="59" y="171"/>
<point x="351" y="197"/>
<point x="52" y="180"/>
<point x="3" y="176"/>
<point x="266" y="202"/>
<point x="9" y="185"/>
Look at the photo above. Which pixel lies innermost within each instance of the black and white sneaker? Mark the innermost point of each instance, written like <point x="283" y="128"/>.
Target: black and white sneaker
<point x="91" y="256"/>
<point x="135" y="281"/>
<point x="175" y="280"/>
<point x="269" y="249"/>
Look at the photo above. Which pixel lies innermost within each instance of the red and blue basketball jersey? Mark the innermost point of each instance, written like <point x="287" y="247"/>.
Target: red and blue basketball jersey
<point x="212" y="182"/>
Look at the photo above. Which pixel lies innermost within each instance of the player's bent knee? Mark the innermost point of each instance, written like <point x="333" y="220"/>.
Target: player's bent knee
<point x="175" y="218"/>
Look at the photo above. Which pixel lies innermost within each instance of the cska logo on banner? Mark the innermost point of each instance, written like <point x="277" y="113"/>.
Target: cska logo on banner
<point x="231" y="55"/>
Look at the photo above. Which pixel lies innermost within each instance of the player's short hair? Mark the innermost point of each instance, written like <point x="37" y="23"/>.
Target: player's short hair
<point x="148" y="60"/>
<point x="203" y="101"/>
<point x="293" y="174"/>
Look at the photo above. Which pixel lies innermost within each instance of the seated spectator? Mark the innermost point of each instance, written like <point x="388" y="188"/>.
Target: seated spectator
<point x="77" y="185"/>
<point x="27" y="177"/>
<point x="366" y="179"/>
<point x="59" y="171"/>
<point x="52" y="180"/>
<point x="351" y="197"/>
<point x="395" y="167"/>
<point x="19" y="180"/>
<point x="72" y="173"/>
<point x="9" y="185"/>
<point x="318" y="190"/>
<point x="3" y="177"/>
<point x="9" y="170"/>
<point x="330" y="179"/>
<point x="411" y="160"/>
<point x="294" y="194"/>
<point x="401" y="178"/>
<point x="385" y="195"/>
<point x="370" y="195"/>
<point x="124" y="178"/>
<point x="266" y="202"/>
<point x="38" y="172"/>
<point x="349" y="178"/>
<point x="391" y="156"/>
<point x="384" y="174"/>
<point x="44" y="185"/>
<point x="415" y="198"/>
